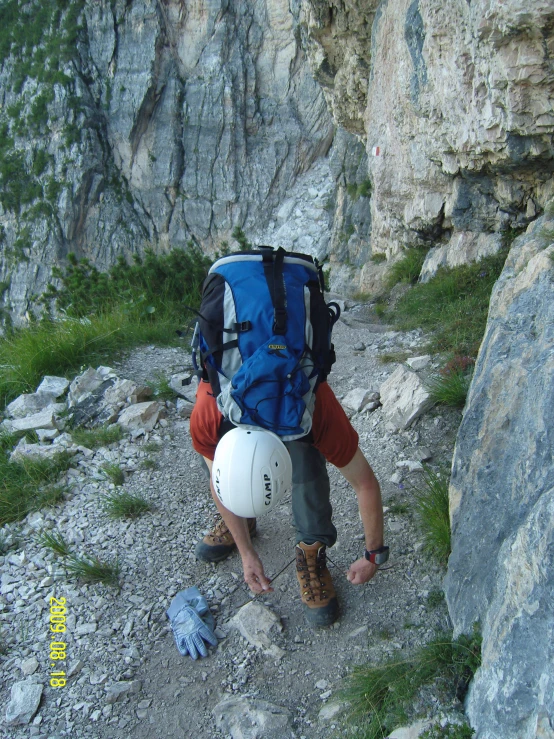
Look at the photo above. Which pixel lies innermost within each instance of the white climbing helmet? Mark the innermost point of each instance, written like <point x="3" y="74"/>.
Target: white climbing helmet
<point x="252" y="471"/>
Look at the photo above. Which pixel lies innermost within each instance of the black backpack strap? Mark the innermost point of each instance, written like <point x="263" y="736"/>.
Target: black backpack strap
<point x="273" y="270"/>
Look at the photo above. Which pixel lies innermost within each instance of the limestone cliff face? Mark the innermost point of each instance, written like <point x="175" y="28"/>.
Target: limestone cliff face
<point x="502" y="500"/>
<point x="457" y="115"/>
<point x="166" y="122"/>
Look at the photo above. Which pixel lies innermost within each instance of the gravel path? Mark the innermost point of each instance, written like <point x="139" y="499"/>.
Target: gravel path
<point x="123" y="638"/>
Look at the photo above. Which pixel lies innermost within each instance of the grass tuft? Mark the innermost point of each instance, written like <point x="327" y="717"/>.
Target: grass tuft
<point x="161" y="388"/>
<point x="114" y="472"/>
<point x="93" y="570"/>
<point x="448" y="731"/>
<point x="30" y="484"/>
<point x="408" y="268"/>
<point x="95" y="438"/>
<point x="125" y="505"/>
<point x="54" y="540"/>
<point x="451" y="389"/>
<point x="432" y="513"/>
<point x="381" y="698"/>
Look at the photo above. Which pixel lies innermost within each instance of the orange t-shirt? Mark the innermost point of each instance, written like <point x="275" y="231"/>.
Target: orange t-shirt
<point x="333" y="434"/>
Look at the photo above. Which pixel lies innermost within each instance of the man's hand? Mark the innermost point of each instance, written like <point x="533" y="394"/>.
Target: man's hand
<point x="361" y="571"/>
<point x="254" y="575"/>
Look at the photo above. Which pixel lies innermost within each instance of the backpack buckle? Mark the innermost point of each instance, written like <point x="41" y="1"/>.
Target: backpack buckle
<point x="279" y="321"/>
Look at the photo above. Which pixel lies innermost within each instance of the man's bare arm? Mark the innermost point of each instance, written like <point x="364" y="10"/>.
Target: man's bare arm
<point x="254" y="575"/>
<point x="360" y="475"/>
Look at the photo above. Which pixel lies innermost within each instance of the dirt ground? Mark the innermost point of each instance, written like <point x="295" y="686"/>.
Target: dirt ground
<point x="176" y="696"/>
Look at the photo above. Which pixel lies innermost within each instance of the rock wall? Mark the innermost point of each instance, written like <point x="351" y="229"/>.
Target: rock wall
<point x="457" y="115"/>
<point x="163" y="122"/>
<point x="501" y="570"/>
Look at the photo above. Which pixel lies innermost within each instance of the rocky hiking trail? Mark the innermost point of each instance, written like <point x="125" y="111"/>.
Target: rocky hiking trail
<point x="271" y="675"/>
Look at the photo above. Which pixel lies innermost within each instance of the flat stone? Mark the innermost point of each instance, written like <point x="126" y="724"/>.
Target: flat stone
<point x="248" y="718"/>
<point x="24" y="702"/>
<point x="124" y="687"/>
<point x="358" y="398"/>
<point x="255" y="621"/>
<point x="140" y="417"/>
<point x="410" y="732"/>
<point x="419" y="363"/>
<point x="29" y="404"/>
<point x="42" y="420"/>
<point x="56" y="386"/>
<point x="29" y="666"/>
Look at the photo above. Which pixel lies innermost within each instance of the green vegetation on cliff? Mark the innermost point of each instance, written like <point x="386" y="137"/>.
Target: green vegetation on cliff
<point x="132" y="304"/>
<point x="38" y="43"/>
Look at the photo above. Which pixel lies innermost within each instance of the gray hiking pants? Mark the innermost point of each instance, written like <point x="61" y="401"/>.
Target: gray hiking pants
<point x="311" y="504"/>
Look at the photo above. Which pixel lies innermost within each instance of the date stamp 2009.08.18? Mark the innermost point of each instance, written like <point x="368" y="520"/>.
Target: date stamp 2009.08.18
<point x="57" y="648"/>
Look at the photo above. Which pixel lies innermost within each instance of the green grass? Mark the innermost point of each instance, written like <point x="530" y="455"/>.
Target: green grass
<point x="435" y="598"/>
<point x="54" y="541"/>
<point x="152" y="446"/>
<point x="449" y="731"/>
<point x="88" y="569"/>
<point x="408" y="268"/>
<point x="114" y="472"/>
<point x="161" y="388"/>
<point x="381" y="698"/>
<point x="393" y="357"/>
<point x="95" y="438"/>
<point x="125" y="505"/>
<point x="450" y="389"/>
<point x="398" y="508"/>
<point x="149" y="464"/>
<point x="29" y="484"/>
<point x="131" y="305"/>
<point x="431" y="505"/>
<point x="93" y="570"/>
<point x="453" y="306"/>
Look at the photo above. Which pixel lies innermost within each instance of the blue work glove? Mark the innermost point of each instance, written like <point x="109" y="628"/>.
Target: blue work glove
<point x="192" y="623"/>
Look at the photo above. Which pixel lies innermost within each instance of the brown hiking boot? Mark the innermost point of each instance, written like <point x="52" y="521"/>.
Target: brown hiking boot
<point x="219" y="543"/>
<point x="319" y="600"/>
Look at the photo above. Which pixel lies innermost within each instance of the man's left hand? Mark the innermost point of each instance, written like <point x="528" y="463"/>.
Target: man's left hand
<point x="361" y="571"/>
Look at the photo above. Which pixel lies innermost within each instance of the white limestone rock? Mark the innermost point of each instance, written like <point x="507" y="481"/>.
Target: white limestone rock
<point x="404" y="398"/>
<point x="184" y="384"/>
<point x="55" y="386"/>
<point x="140" y="417"/>
<point x="419" y="363"/>
<point x="84" y="385"/>
<point x="410" y="732"/>
<point x="45" y="419"/>
<point x="249" y="718"/>
<point x="358" y="398"/>
<point x="463" y="248"/>
<point x="24" y="702"/>
<point x="255" y="622"/>
<point x="29" y="404"/>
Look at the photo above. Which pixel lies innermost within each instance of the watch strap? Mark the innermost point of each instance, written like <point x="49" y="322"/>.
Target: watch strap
<point x="377" y="556"/>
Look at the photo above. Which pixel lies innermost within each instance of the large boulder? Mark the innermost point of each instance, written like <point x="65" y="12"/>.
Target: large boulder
<point x="501" y="570"/>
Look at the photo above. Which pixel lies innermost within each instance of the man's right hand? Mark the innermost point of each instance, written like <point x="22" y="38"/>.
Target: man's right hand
<point x="254" y="575"/>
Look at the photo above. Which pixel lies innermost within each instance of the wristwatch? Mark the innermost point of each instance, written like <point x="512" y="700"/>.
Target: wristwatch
<point x="377" y="556"/>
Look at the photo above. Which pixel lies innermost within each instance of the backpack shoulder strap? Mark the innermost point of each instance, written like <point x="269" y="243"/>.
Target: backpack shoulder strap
<point x="273" y="270"/>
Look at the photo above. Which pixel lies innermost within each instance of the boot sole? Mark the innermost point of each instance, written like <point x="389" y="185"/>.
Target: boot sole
<point x="216" y="553"/>
<point x="318" y="618"/>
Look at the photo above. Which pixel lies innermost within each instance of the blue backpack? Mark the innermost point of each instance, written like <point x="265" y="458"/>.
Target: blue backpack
<point x="264" y="338"/>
